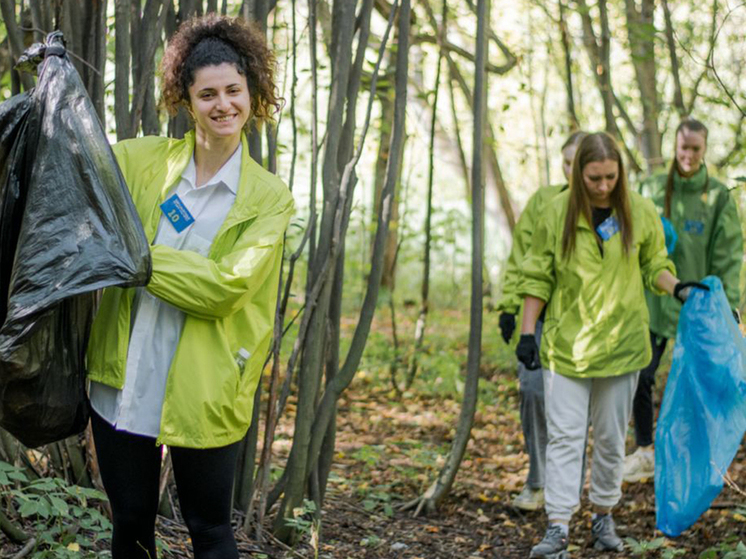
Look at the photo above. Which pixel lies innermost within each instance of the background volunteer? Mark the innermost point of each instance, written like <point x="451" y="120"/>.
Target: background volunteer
<point x="709" y="241"/>
<point x="533" y="421"/>
<point x="165" y="360"/>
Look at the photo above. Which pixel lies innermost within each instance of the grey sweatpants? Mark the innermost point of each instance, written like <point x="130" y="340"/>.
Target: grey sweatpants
<point x="533" y="420"/>
<point x="569" y="401"/>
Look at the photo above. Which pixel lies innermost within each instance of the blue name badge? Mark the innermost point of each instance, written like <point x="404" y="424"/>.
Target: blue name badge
<point x="177" y="213"/>
<point x="694" y="227"/>
<point x="608" y="228"/>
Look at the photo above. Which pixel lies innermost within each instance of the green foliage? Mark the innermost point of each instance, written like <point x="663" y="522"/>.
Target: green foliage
<point x="378" y="499"/>
<point x="732" y="548"/>
<point x="370" y="541"/>
<point x="302" y="519"/>
<point x="64" y="523"/>
<point x="305" y="521"/>
<point x="641" y="548"/>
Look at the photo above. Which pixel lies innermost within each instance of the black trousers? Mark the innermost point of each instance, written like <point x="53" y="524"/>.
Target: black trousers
<point x="130" y="470"/>
<point x="642" y="407"/>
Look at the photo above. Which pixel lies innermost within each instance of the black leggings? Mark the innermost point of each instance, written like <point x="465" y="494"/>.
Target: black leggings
<point x="642" y="408"/>
<point x="130" y="470"/>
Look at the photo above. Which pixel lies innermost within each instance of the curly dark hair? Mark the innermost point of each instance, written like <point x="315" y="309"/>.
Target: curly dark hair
<point x="212" y="40"/>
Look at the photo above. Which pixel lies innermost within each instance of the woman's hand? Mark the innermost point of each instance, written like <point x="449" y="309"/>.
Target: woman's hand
<point x="684" y="288"/>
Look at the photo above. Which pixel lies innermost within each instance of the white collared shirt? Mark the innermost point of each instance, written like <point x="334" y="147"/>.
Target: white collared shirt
<point x="156" y="325"/>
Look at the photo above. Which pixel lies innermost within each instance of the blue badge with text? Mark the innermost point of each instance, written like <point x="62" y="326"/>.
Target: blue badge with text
<point x="608" y="228"/>
<point x="177" y="213"/>
<point x="694" y="227"/>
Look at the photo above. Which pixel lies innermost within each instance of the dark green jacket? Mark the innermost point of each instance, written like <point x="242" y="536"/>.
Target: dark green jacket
<point x="710" y="240"/>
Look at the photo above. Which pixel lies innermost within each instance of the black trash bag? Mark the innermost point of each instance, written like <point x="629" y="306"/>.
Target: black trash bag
<point x="68" y="228"/>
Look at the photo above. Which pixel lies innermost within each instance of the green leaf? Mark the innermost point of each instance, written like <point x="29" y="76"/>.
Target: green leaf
<point x="59" y="505"/>
<point x="29" y="508"/>
<point x="17" y="475"/>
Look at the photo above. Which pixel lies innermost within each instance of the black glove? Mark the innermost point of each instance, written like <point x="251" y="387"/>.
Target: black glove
<point x="507" y="326"/>
<point x="684" y="288"/>
<point x="528" y="352"/>
<point x="737" y="316"/>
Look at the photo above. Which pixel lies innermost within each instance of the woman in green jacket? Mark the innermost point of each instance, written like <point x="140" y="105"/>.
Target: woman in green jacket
<point x="709" y="241"/>
<point x="595" y="249"/>
<point x="178" y="362"/>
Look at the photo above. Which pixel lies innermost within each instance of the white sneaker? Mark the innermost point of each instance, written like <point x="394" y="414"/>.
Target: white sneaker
<point x="639" y="465"/>
<point x="529" y="499"/>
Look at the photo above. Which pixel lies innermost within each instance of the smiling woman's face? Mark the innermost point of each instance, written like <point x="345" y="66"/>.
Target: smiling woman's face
<point x="220" y="101"/>
<point x="690" y="151"/>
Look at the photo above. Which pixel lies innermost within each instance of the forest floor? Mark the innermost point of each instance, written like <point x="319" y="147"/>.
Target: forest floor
<point x="389" y="449"/>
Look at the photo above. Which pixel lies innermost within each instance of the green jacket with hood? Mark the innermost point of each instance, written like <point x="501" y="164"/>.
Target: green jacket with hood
<point x="596" y="320"/>
<point x="523" y="233"/>
<point x="709" y="240"/>
<point x="228" y="297"/>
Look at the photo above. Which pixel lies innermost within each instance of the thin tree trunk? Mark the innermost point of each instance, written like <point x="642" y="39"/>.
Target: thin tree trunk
<point x="430" y="500"/>
<point x="297" y="468"/>
<point x="122" y="50"/>
<point x="317" y="304"/>
<point x="599" y="54"/>
<point x="419" y="333"/>
<point x="386" y="99"/>
<point x="457" y="132"/>
<point x="599" y="57"/>
<point x="147" y="34"/>
<point x="244" y="477"/>
<point x="567" y="54"/>
<point x="256" y="11"/>
<point x="714" y="28"/>
<point x="641" y="33"/>
<point x="326" y="408"/>
<point x="678" y="96"/>
<point x="8" y="11"/>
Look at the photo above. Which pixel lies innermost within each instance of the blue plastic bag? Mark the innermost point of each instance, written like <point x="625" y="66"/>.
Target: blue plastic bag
<point x="703" y="414"/>
<point x="670" y="234"/>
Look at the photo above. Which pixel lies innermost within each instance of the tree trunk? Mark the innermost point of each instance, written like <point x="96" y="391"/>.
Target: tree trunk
<point x="146" y="37"/>
<point x="122" y="49"/>
<point x="419" y="333"/>
<point x="572" y="116"/>
<point x="386" y="99"/>
<point x="304" y="454"/>
<point x="335" y="388"/>
<point x="297" y="468"/>
<point x="8" y="11"/>
<point x="599" y="54"/>
<point x="440" y="488"/>
<point x="641" y="33"/>
<point x="678" y="96"/>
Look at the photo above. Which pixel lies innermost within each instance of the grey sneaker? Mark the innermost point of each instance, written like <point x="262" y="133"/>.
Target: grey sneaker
<point x="553" y="546"/>
<point x="603" y="532"/>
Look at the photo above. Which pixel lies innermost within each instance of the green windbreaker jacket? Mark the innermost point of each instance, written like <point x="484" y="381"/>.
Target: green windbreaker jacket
<point x="523" y="233"/>
<point x="228" y="298"/>
<point x="596" y="323"/>
<point x="710" y="240"/>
